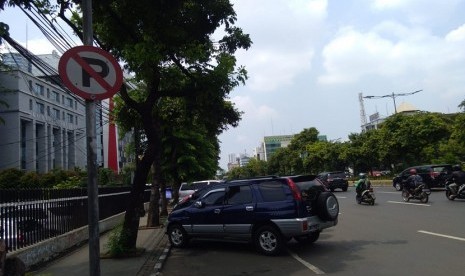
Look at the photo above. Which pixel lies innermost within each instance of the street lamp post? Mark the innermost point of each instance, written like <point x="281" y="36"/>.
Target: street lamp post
<point x="393" y="96"/>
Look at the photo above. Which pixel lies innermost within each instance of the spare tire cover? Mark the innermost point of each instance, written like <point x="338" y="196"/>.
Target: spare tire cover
<point x="327" y="206"/>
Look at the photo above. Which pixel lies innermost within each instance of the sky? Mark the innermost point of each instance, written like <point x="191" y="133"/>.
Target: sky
<point x="310" y="59"/>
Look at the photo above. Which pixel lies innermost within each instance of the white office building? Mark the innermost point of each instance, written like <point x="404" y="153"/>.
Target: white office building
<point x="44" y="126"/>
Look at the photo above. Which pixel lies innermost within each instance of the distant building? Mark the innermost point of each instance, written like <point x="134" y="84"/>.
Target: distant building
<point x="272" y="143"/>
<point x="375" y="119"/>
<point x="243" y="160"/>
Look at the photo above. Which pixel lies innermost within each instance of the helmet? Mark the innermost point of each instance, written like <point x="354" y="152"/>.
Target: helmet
<point x="456" y="168"/>
<point x="362" y="175"/>
<point x="413" y="171"/>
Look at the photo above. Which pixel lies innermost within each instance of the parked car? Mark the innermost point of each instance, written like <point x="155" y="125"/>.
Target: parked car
<point x="24" y="225"/>
<point x="267" y="211"/>
<point x="334" y="180"/>
<point x="434" y="175"/>
<point x="188" y="188"/>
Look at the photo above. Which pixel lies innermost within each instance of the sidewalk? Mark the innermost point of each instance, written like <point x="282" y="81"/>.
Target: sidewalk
<point x="76" y="263"/>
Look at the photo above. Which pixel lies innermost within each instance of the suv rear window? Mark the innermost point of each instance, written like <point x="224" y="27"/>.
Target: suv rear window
<point x="272" y="191"/>
<point x="442" y="169"/>
<point x="337" y="175"/>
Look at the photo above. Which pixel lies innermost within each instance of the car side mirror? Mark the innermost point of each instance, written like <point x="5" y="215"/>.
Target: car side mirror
<point x="199" y="204"/>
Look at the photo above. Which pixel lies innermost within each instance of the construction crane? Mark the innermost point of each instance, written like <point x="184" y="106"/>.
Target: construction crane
<point x="393" y="96"/>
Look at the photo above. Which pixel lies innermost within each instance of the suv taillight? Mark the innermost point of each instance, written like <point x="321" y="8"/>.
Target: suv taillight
<point x="295" y="190"/>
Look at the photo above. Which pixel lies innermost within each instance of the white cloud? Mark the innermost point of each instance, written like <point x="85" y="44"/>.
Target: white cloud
<point x="315" y="8"/>
<point x="456" y="35"/>
<point x="270" y="69"/>
<point x="390" y="50"/>
<point x="388" y="4"/>
<point x="252" y="111"/>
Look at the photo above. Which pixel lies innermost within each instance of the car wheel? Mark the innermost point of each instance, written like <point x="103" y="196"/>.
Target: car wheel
<point x="398" y="187"/>
<point x="268" y="240"/>
<point x="309" y="238"/>
<point x="327" y="206"/>
<point x="177" y="236"/>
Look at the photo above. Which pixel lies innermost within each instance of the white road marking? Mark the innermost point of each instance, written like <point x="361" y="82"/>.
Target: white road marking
<point x="441" y="235"/>
<point x="389" y="192"/>
<point x="341" y="197"/>
<point x="409" y="203"/>
<point x="313" y="268"/>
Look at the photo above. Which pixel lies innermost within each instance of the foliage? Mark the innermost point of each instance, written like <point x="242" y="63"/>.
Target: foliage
<point x="10" y="178"/>
<point x="401" y="141"/>
<point x="106" y="177"/>
<point x="30" y="180"/>
<point x="71" y="182"/>
<point x="14" y="178"/>
<point x="116" y="242"/>
<point x="253" y="168"/>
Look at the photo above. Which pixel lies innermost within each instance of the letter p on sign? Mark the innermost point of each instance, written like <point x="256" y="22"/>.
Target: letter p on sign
<point x="90" y="72"/>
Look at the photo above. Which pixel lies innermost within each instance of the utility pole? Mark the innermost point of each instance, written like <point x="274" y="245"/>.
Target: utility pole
<point x="393" y="96"/>
<point x="91" y="135"/>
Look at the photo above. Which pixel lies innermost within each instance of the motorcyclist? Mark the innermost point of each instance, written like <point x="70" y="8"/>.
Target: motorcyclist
<point x="458" y="177"/>
<point x="413" y="181"/>
<point x="362" y="184"/>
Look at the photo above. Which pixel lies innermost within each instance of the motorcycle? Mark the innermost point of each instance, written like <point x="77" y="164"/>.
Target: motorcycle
<point x="421" y="193"/>
<point x="452" y="191"/>
<point x="367" y="196"/>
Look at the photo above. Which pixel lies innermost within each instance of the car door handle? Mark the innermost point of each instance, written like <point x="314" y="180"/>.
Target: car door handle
<point x="217" y="211"/>
<point x="249" y="208"/>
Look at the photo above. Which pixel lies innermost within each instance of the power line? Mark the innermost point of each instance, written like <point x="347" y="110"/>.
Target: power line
<point x="393" y="96"/>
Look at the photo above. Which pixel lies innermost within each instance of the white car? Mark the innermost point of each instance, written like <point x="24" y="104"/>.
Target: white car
<point x="187" y="189"/>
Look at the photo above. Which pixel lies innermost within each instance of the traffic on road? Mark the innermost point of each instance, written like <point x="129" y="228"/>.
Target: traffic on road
<point x="392" y="237"/>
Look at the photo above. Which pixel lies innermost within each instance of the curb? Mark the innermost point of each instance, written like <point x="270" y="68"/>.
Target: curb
<point x="161" y="260"/>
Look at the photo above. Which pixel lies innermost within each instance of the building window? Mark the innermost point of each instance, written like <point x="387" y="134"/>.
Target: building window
<point x="48" y="110"/>
<point x="48" y="93"/>
<point x="69" y="102"/>
<point x="75" y="105"/>
<point x="56" y="96"/>
<point x="30" y="105"/>
<point x="56" y="114"/>
<point x="39" y="89"/>
<point x="76" y="120"/>
<point x="70" y="118"/>
<point x="62" y="99"/>
<point x="63" y="117"/>
<point x="40" y="108"/>
<point x="30" y="85"/>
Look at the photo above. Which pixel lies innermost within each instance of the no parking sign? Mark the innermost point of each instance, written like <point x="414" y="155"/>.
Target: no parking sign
<point x="90" y="72"/>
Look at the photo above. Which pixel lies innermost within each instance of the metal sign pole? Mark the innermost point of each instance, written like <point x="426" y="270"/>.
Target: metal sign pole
<point x="91" y="133"/>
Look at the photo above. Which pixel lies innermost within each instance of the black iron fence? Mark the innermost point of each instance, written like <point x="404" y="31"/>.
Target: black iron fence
<point x="31" y="216"/>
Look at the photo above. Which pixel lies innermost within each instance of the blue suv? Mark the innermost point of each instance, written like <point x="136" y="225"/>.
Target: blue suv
<point x="267" y="211"/>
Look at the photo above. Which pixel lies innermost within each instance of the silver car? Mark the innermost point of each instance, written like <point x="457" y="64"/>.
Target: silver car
<point x="187" y="189"/>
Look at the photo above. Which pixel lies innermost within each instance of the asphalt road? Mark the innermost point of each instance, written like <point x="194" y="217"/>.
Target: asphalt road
<point x="389" y="238"/>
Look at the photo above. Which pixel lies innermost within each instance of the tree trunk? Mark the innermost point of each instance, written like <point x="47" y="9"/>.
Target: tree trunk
<point x="164" y="205"/>
<point x="135" y="204"/>
<point x="153" y="218"/>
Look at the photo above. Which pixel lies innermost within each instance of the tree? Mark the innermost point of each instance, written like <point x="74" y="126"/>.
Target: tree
<point x="305" y="137"/>
<point x="170" y="48"/>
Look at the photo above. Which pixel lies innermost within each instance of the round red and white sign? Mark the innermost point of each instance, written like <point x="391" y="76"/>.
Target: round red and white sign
<point x="90" y="72"/>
